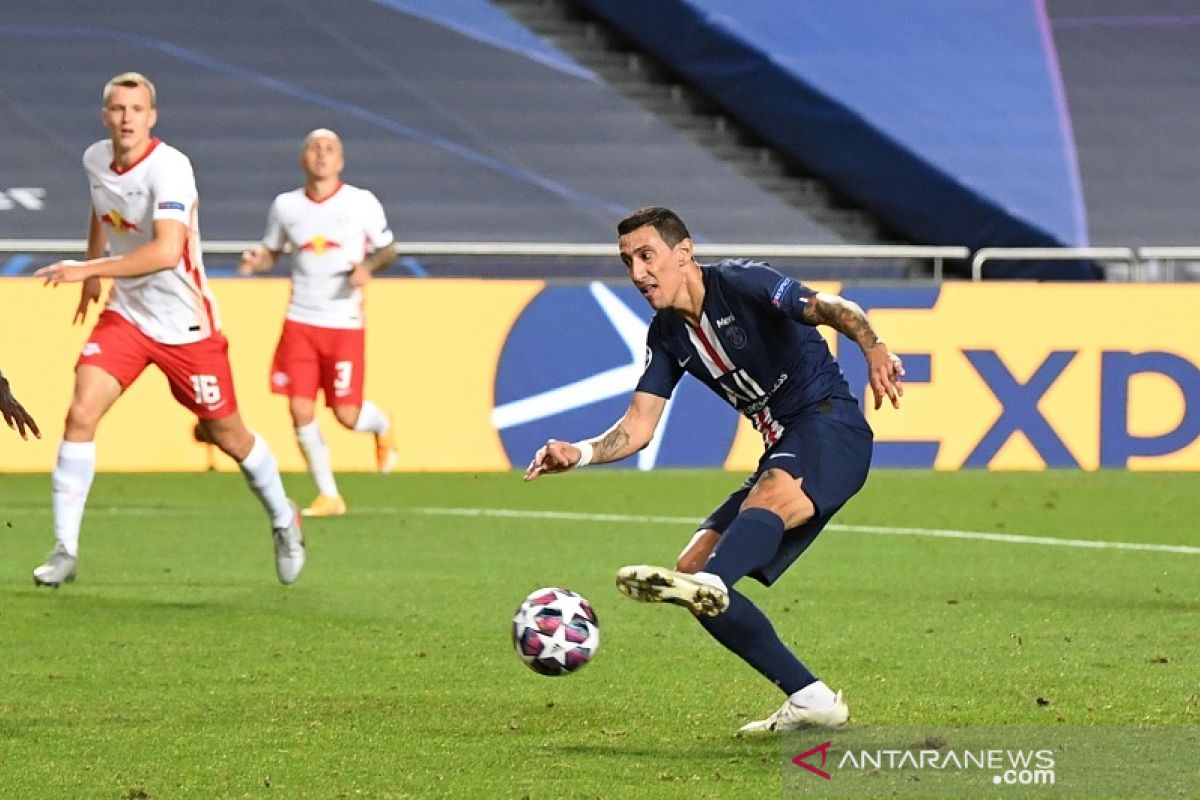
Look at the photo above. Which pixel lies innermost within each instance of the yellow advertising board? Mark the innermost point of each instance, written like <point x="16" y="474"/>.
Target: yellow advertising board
<point x="477" y="373"/>
<point x="432" y="347"/>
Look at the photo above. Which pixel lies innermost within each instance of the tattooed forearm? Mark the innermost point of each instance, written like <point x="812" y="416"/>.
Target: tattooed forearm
<point x="612" y="446"/>
<point x="843" y="315"/>
<point x="381" y="258"/>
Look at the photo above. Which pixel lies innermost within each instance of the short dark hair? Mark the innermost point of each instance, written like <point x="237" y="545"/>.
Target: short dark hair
<point x="668" y="224"/>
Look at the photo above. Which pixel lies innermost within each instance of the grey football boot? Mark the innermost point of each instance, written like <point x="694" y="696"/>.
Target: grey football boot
<point x="289" y="549"/>
<point x="59" y="568"/>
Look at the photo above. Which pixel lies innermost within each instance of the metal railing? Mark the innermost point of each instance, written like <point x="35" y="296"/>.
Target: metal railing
<point x="936" y="255"/>
<point x="985" y="254"/>
<point x="1150" y="259"/>
<point x="1139" y="261"/>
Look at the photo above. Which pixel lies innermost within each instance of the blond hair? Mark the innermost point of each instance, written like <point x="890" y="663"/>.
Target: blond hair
<point x="130" y="80"/>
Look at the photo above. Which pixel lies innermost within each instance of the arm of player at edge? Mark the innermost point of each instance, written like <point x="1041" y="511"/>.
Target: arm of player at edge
<point x="161" y="252"/>
<point x="378" y="260"/>
<point x="845" y="316"/>
<point x="627" y="436"/>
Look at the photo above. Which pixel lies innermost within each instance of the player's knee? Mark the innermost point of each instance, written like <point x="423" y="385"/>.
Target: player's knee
<point x="695" y="555"/>
<point x="81" y="421"/>
<point x="302" y="412"/>
<point x="781" y="494"/>
<point x="234" y="441"/>
<point x="347" y="416"/>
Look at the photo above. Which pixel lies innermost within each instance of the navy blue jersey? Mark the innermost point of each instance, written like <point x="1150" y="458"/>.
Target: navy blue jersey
<point x="752" y="347"/>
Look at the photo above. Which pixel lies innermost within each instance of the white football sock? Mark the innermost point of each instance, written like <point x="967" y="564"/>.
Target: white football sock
<point x="816" y="696"/>
<point x="371" y="419"/>
<point x="316" y="453"/>
<point x="71" y="482"/>
<point x="262" y="473"/>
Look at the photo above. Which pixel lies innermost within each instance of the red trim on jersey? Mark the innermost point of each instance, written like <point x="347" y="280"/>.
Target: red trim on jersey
<point x="712" y="353"/>
<point x="336" y="189"/>
<point x="194" y="274"/>
<point x="155" y="142"/>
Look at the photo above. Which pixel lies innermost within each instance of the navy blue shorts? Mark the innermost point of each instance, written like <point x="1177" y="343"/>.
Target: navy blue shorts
<point x="830" y="450"/>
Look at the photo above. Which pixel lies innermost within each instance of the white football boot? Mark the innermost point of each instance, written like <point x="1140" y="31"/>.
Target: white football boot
<point x="289" y="549"/>
<point x="793" y="717"/>
<point x="59" y="568"/>
<point x="701" y="593"/>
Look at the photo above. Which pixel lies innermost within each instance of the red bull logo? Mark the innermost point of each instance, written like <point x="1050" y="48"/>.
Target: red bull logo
<point x="319" y="244"/>
<point x="114" y="220"/>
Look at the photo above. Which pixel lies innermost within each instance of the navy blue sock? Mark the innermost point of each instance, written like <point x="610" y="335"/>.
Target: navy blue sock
<point x="748" y="543"/>
<point x="747" y="632"/>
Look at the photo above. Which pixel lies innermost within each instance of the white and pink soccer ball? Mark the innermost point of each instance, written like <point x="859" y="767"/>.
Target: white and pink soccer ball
<point x="555" y="631"/>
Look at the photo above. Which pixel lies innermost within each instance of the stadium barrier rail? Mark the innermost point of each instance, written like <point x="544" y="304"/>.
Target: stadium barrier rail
<point x="936" y="255"/>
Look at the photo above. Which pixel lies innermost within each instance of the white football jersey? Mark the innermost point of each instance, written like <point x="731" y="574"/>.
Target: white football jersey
<point x="172" y="306"/>
<point x="328" y="238"/>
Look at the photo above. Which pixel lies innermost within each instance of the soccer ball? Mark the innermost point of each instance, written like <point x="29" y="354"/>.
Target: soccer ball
<point x="555" y="631"/>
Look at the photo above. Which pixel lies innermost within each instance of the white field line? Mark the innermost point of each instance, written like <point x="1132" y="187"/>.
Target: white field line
<point x="576" y="516"/>
<point x="936" y="533"/>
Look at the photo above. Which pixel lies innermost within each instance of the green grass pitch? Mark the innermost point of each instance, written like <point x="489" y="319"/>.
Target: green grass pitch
<point x="177" y="667"/>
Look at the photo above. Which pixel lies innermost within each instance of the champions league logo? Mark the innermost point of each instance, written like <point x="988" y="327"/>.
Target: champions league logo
<point x="569" y="367"/>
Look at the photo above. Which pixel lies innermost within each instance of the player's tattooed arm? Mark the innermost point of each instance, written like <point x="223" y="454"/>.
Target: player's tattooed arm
<point x="844" y="316"/>
<point x="884" y="369"/>
<point x="612" y="445"/>
<point x="381" y="258"/>
<point x="630" y="434"/>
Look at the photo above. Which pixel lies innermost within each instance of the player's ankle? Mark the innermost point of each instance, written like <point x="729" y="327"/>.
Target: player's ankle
<point x="816" y="696"/>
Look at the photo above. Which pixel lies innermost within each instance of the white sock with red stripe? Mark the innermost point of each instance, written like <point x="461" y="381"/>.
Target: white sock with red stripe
<point x="262" y="473"/>
<point x="71" y="482"/>
<point x="316" y="453"/>
<point x="371" y="419"/>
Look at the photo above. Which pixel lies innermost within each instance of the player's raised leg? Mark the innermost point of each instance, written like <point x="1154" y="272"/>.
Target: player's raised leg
<point x="95" y="392"/>
<point x="368" y="418"/>
<point x="775" y="507"/>
<point x="749" y="543"/>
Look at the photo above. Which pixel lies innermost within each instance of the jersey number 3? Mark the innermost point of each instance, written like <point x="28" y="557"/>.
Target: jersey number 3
<point x="345" y="373"/>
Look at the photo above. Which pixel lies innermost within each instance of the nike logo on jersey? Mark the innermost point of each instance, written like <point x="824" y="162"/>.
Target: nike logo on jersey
<point x="683" y="362"/>
<point x="723" y="321"/>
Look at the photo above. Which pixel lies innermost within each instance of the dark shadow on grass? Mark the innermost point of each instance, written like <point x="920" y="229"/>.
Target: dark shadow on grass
<point x="695" y="751"/>
<point x="65" y="598"/>
<point x="1088" y="602"/>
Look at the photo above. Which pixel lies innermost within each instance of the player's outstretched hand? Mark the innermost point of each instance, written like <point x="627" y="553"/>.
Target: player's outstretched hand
<point x="89" y="293"/>
<point x="553" y="456"/>
<point x="67" y="271"/>
<point x="15" y="414"/>
<point x="254" y="261"/>
<point x="885" y="371"/>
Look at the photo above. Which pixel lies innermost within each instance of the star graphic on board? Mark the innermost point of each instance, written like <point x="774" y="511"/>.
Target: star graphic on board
<point x="610" y="383"/>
